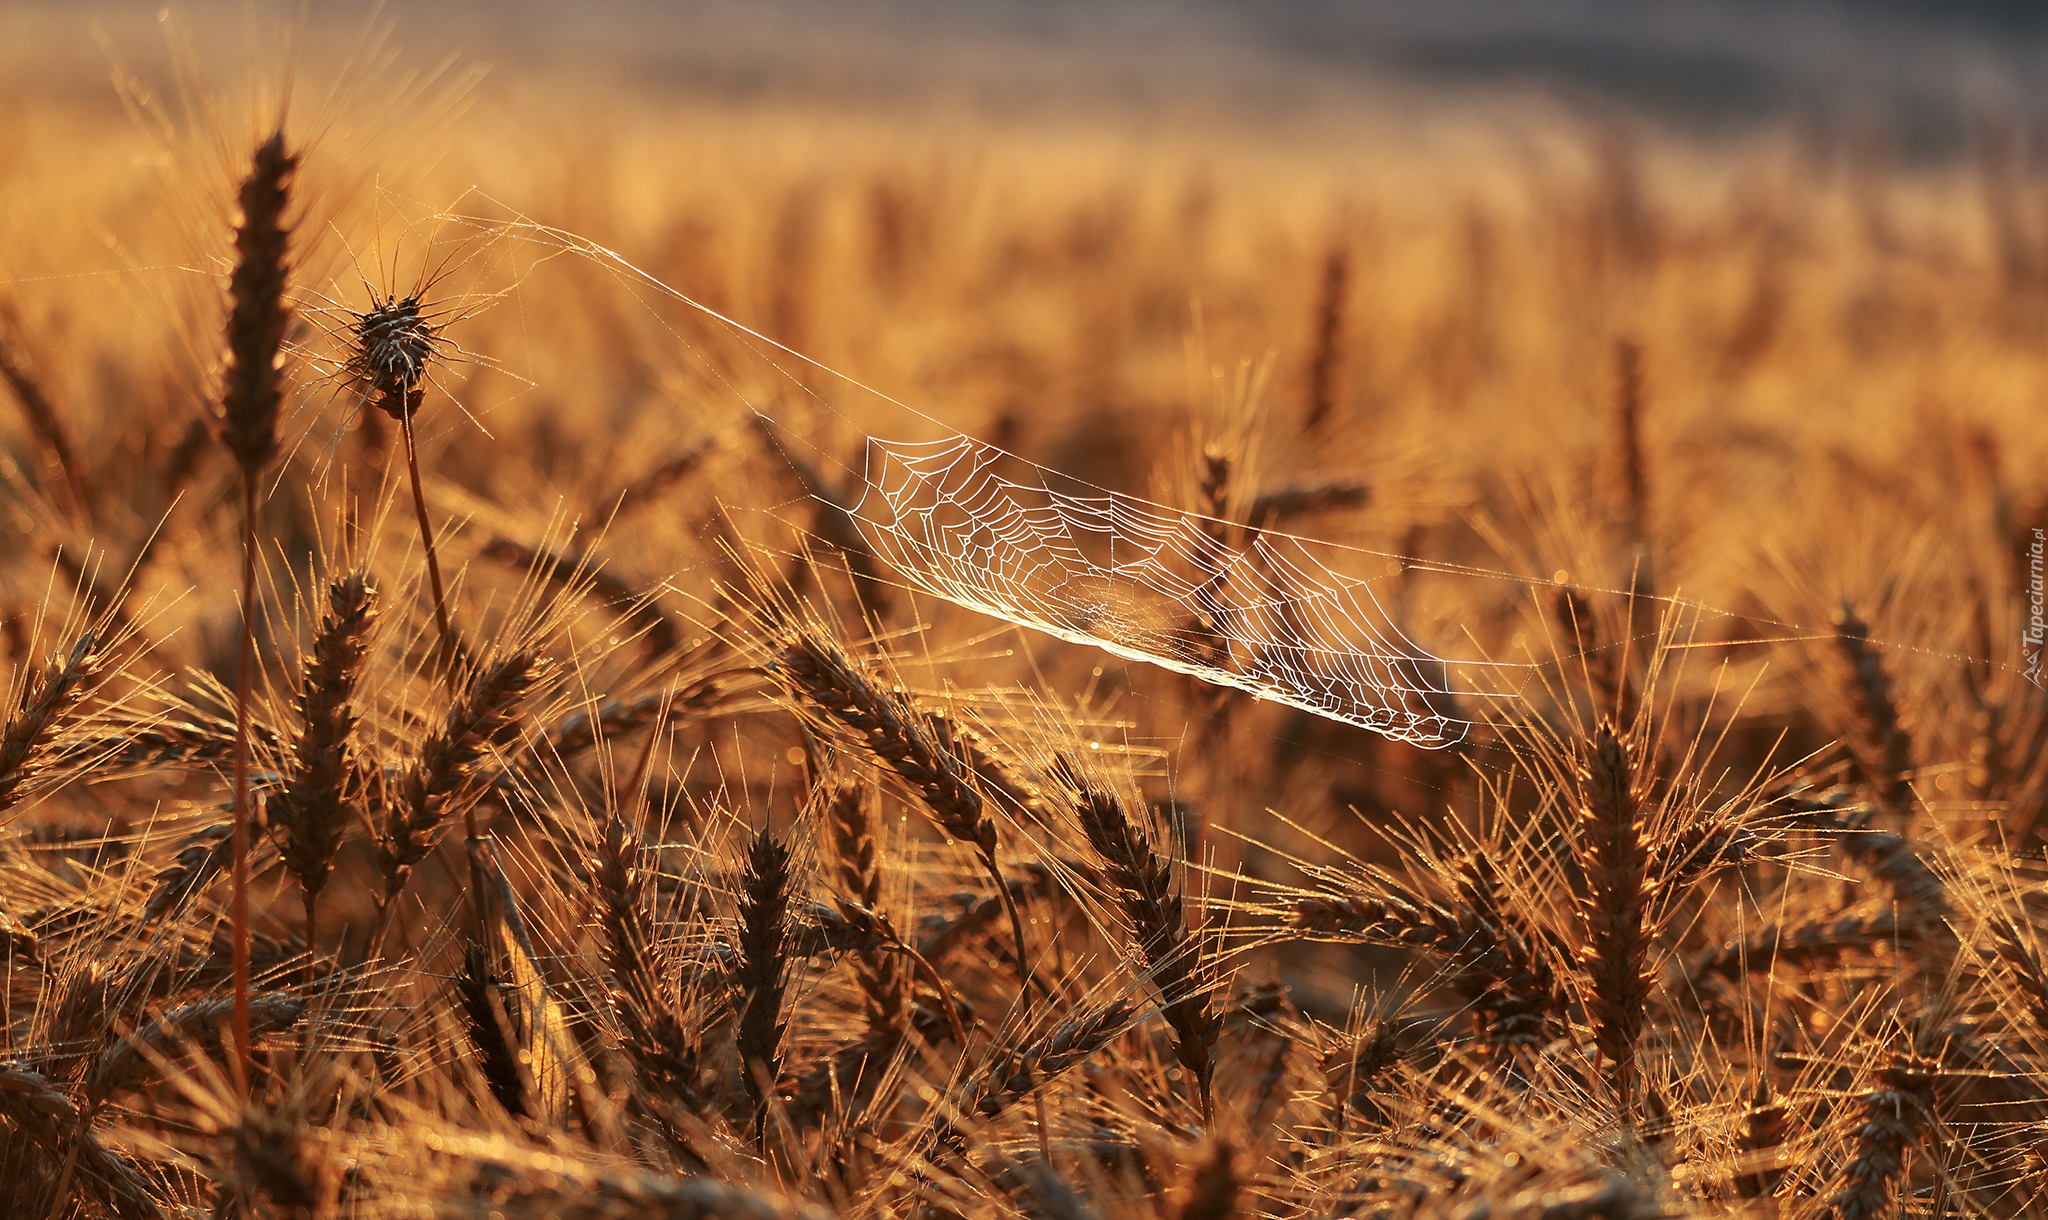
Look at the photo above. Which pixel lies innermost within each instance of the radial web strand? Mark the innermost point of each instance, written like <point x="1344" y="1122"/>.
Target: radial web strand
<point x="1153" y="584"/>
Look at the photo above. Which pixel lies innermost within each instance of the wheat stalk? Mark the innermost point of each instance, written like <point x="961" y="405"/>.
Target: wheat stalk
<point x="250" y="396"/>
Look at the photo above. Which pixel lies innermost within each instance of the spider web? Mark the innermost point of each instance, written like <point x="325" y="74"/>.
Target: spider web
<point x="1149" y="583"/>
<point x="1139" y="580"/>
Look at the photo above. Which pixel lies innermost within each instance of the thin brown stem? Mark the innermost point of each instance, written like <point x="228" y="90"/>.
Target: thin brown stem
<point x="419" y="504"/>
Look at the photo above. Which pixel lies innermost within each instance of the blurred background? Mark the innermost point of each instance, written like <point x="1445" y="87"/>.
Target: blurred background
<point x="1914" y="71"/>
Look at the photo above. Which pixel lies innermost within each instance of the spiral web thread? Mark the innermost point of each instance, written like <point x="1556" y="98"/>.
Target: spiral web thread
<point x="1149" y="583"/>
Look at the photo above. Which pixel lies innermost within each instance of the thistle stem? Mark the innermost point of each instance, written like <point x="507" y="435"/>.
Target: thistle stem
<point x="419" y="504"/>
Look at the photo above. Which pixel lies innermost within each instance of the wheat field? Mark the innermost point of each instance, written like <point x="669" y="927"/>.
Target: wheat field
<point x="463" y="759"/>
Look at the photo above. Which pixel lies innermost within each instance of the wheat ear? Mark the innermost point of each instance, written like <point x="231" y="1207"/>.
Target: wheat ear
<point x="395" y="344"/>
<point x="1011" y="1075"/>
<point x="133" y="1060"/>
<point x="50" y="1122"/>
<point x="1327" y="350"/>
<point x="47" y="701"/>
<point x="1158" y="914"/>
<point x="44" y="423"/>
<point x="1895" y="1114"/>
<point x="315" y="807"/>
<point x="1614" y="861"/>
<point x="856" y="859"/>
<point x="922" y="748"/>
<point x="443" y="779"/>
<point x="764" y="926"/>
<point x="1884" y="751"/>
<point x="1489" y="953"/>
<point x="206" y="852"/>
<point x="653" y="1033"/>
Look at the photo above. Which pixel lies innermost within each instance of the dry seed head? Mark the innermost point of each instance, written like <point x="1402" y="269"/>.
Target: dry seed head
<point x="854" y="847"/>
<point x="1628" y="410"/>
<point x="44" y="419"/>
<point x="1881" y="745"/>
<point x="921" y="747"/>
<point x="621" y="890"/>
<point x="1500" y="961"/>
<point x="657" y="1040"/>
<point x="1388" y="919"/>
<point x="1815" y="943"/>
<point x="137" y="748"/>
<point x="202" y="858"/>
<point x="1012" y="1074"/>
<point x="394" y="344"/>
<point x="1327" y="352"/>
<point x="1356" y="1072"/>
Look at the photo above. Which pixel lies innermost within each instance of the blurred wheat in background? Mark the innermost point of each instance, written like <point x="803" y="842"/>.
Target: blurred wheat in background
<point x="428" y="523"/>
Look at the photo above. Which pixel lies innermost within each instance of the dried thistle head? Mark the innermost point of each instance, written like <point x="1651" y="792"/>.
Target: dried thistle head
<point x="385" y="349"/>
<point x="393" y="345"/>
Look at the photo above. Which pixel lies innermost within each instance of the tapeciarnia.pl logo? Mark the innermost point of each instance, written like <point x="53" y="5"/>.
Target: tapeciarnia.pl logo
<point x="2037" y="606"/>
